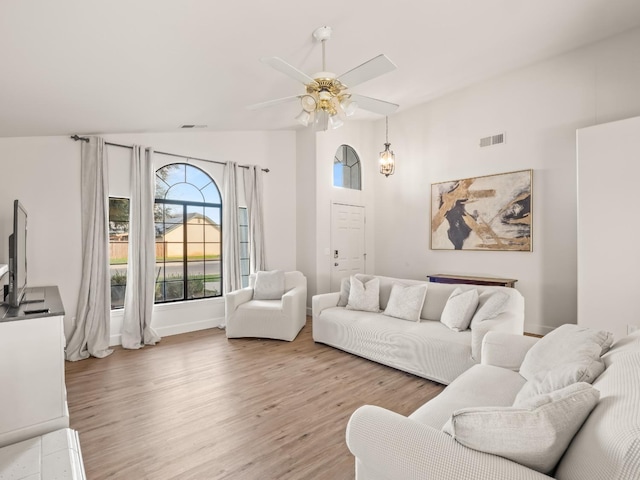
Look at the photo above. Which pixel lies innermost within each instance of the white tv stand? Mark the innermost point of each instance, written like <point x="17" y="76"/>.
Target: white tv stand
<point x="32" y="370"/>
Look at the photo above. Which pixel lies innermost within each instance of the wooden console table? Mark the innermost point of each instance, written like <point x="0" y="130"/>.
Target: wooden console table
<point x="491" y="281"/>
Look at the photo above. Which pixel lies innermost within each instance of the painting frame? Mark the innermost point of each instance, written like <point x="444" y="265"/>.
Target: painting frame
<point x="484" y="213"/>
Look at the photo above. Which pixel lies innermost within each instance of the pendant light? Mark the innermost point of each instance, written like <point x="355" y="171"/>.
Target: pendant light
<point x="387" y="157"/>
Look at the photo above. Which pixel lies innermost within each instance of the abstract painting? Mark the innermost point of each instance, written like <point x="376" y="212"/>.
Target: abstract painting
<point x="492" y="212"/>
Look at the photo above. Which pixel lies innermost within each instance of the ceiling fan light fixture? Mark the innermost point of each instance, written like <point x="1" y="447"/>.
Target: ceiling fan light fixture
<point x="335" y="121"/>
<point x="327" y="94"/>
<point x="348" y="106"/>
<point x="309" y="103"/>
<point x="304" y="118"/>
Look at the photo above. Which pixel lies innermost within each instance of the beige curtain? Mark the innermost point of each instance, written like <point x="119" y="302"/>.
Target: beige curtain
<point x="230" y="243"/>
<point x="92" y="327"/>
<point x="253" y="194"/>
<point x="139" y="296"/>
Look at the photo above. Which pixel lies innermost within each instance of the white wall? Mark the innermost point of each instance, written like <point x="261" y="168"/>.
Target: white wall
<point x="608" y="257"/>
<point x="539" y="108"/>
<point x="44" y="173"/>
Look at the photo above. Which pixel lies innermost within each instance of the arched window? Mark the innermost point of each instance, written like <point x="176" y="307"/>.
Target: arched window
<point x="188" y="219"/>
<point x="346" y="168"/>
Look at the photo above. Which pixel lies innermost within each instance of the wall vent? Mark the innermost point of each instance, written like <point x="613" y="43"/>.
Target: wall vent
<point x="492" y="140"/>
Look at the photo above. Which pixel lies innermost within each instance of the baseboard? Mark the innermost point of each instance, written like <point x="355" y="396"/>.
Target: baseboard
<point x="309" y="312"/>
<point x="538" y="329"/>
<point x="177" y="329"/>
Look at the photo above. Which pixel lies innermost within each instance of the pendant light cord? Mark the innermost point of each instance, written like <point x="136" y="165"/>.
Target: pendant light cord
<point x="387" y="128"/>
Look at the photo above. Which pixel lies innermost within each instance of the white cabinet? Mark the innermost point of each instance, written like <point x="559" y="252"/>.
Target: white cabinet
<point x="608" y="226"/>
<point x="33" y="393"/>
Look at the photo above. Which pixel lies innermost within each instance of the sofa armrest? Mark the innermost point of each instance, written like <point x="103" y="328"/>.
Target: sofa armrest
<point x="232" y="300"/>
<point x="294" y="302"/>
<point x="506" y="322"/>
<point x="505" y="350"/>
<point x="397" y="447"/>
<point x="322" y="301"/>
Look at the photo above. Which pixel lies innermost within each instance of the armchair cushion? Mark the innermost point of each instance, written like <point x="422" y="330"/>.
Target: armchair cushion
<point x="269" y="285"/>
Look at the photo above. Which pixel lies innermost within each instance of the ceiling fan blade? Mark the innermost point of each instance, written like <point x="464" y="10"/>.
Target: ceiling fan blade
<point x="368" y="70"/>
<point x="287" y="69"/>
<point x="374" y="105"/>
<point x="270" y="103"/>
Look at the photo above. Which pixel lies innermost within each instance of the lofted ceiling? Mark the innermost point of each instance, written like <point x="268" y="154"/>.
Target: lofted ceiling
<point x="96" y="66"/>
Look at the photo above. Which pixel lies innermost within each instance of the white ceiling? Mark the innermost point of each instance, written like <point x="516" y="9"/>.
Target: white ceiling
<point x="98" y="66"/>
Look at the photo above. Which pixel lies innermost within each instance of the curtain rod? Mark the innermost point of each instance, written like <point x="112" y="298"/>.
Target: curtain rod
<point x="85" y="139"/>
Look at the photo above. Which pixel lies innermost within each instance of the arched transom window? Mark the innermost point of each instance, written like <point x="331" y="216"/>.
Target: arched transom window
<point x="346" y="168"/>
<point x="188" y="223"/>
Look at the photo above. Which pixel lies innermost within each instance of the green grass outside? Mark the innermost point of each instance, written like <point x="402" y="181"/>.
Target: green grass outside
<point x="123" y="261"/>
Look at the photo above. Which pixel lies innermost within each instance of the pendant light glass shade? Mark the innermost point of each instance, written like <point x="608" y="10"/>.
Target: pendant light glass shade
<point x="387" y="157"/>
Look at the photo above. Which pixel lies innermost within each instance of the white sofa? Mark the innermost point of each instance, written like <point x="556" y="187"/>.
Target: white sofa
<point x="389" y="446"/>
<point x="280" y="319"/>
<point x="427" y="348"/>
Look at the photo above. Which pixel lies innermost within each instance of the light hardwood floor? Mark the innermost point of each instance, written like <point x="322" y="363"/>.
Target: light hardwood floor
<point x="199" y="406"/>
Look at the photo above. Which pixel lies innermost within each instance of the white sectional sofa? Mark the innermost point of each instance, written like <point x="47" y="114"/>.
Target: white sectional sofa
<point x="389" y="446"/>
<point x="427" y="348"/>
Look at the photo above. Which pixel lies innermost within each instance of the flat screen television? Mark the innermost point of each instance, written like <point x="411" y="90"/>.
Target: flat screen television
<point x="17" y="256"/>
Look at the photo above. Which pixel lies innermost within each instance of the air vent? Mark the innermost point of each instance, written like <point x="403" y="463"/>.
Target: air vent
<point x="193" y="126"/>
<point x="492" y="140"/>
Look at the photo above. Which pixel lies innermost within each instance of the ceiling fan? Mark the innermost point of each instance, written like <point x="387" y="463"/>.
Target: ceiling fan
<point x="327" y="100"/>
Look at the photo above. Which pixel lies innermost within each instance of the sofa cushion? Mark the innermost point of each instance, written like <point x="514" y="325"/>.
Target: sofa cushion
<point x="364" y="296"/>
<point x="426" y="348"/>
<point x="470" y="390"/>
<point x="459" y="309"/>
<point x="405" y="301"/>
<point x="345" y="287"/>
<point x="560" y="377"/>
<point x="567" y="344"/>
<point x="535" y="435"/>
<point x="491" y="303"/>
<point x="269" y="285"/>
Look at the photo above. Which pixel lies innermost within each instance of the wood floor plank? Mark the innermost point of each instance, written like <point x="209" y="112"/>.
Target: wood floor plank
<point x="198" y="406"/>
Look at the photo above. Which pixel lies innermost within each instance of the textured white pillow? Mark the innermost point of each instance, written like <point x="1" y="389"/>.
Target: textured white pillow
<point x="490" y="305"/>
<point x="535" y="435"/>
<point x="459" y="309"/>
<point x="405" y="302"/>
<point x="269" y="285"/>
<point x="345" y="288"/>
<point x="364" y="296"/>
<point x="567" y="344"/>
<point x="559" y="377"/>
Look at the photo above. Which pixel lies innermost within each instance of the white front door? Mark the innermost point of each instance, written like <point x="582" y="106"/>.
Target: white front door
<point x="347" y="254"/>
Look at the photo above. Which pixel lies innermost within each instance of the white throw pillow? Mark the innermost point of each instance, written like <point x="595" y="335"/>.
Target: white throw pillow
<point x="364" y="296"/>
<point x="560" y="377"/>
<point x="490" y="304"/>
<point x="535" y="435"/>
<point x="459" y="309"/>
<point x="405" y="302"/>
<point x="269" y="285"/>
<point x="566" y="344"/>
<point x="345" y="288"/>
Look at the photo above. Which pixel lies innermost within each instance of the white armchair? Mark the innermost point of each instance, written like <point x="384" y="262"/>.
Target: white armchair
<point x="278" y="319"/>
